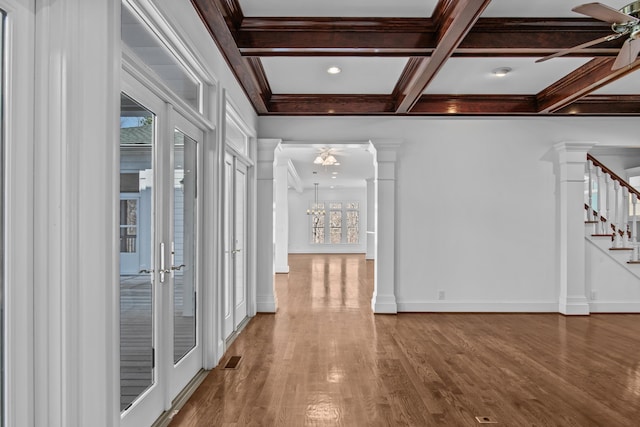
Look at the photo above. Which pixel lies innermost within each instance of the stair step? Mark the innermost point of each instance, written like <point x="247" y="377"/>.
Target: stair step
<point x="620" y="249"/>
<point x="591" y="222"/>
<point x="633" y="262"/>
<point x="602" y="235"/>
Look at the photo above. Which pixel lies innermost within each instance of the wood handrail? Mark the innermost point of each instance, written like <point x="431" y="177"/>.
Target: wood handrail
<point x="613" y="175"/>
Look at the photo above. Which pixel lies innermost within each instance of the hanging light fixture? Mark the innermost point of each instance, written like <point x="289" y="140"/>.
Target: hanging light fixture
<point x="316" y="210"/>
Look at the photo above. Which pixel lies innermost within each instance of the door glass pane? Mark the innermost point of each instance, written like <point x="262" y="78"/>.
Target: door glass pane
<point x="150" y="48"/>
<point x="184" y="246"/>
<point x="137" y="137"/>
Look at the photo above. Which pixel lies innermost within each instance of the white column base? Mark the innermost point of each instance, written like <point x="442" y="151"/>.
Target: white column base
<point x="384" y="304"/>
<point x="577" y="306"/>
<point x="266" y="304"/>
<point x="282" y="268"/>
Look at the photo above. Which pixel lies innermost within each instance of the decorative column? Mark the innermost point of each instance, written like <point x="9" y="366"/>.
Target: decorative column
<point x="384" y="298"/>
<point x="281" y="174"/>
<point x="265" y="293"/>
<point x="371" y="219"/>
<point x="571" y="158"/>
<point x="76" y="309"/>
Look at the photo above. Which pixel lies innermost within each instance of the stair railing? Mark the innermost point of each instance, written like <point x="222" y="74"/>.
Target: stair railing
<point x="609" y="199"/>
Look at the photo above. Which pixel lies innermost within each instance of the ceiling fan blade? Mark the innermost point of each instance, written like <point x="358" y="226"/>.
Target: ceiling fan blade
<point x="628" y="54"/>
<point x="604" y="13"/>
<point x="580" y="46"/>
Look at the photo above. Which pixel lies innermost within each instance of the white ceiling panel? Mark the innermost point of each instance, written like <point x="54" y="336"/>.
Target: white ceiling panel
<point x="627" y="85"/>
<point x="308" y="75"/>
<point x="540" y="8"/>
<point x="474" y="75"/>
<point x="350" y="8"/>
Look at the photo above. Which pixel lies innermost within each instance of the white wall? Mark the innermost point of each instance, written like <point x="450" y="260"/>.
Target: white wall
<point x="299" y="225"/>
<point x="475" y="203"/>
<point x="611" y="287"/>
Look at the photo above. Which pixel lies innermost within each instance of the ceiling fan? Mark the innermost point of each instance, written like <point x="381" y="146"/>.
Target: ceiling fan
<point x="326" y="157"/>
<point x="624" y="22"/>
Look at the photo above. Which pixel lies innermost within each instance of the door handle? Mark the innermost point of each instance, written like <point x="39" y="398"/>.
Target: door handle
<point x="235" y="251"/>
<point x="145" y="271"/>
<point x="177" y="268"/>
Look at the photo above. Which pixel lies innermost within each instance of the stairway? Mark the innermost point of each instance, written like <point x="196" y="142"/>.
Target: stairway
<point x="612" y="247"/>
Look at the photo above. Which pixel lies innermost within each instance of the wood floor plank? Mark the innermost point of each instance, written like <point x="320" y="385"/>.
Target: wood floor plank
<point x="325" y="360"/>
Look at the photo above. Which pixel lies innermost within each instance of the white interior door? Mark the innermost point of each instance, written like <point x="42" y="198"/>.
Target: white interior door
<point x="235" y="244"/>
<point x="160" y="326"/>
<point x="240" y="244"/>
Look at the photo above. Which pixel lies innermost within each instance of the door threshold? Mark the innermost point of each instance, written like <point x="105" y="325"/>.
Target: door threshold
<point x="165" y="418"/>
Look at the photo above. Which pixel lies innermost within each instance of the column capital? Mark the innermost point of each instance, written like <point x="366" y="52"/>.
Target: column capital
<point x="573" y="151"/>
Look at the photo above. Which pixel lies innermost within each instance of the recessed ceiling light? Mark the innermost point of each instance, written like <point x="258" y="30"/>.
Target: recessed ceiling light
<point x="501" y="72"/>
<point x="334" y="177"/>
<point x="334" y="173"/>
<point x="334" y="70"/>
<point x="332" y="186"/>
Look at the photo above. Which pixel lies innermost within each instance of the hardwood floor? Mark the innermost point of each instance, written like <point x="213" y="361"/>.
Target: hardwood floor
<point x="324" y="359"/>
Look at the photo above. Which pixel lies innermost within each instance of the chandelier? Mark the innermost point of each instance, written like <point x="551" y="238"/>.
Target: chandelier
<point x="316" y="210"/>
<point x="326" y="159"/>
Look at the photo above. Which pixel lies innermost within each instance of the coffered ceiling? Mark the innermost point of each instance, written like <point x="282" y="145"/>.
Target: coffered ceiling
<point x="420" y="57"/>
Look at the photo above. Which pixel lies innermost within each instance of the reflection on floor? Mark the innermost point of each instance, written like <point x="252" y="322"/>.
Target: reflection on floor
<point x="136" y="336"/>
<point x="324" y="359"/>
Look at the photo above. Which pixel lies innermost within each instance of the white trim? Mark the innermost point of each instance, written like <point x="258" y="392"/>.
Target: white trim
<point x="142" y="73"/>
<point x="18" y="205"/>
<point x="77" y="79"/>
<point x="615" y="307"/>
<point x="174" y="40"/>
<point x="479" y="306"/>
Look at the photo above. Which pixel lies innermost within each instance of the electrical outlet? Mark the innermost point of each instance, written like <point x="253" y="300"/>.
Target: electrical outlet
<point x="440" y="295"/>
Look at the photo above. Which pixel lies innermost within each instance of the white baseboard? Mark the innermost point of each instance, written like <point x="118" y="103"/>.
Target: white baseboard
<point x="384" y="304"/>
<point x="479" y="306"/>
<point x="266" y="304"/>
<point x="282" y="269"/>
<point x="614" y="307"/>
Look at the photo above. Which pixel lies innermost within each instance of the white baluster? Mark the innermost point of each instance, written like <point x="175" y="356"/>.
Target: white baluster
<point x="600" y="226"/>
<point x="616" y="217"/>
<point x="634" y="229"/>
<point x="607" y="211"/>
<point x="624" y="223"/>
<point x="590" y="183"/>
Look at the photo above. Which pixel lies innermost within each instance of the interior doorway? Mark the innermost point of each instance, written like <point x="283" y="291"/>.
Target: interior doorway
<point x="324" y="200"/>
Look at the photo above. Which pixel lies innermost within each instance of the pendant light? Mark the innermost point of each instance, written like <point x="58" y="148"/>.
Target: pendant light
<point x="315" y="210"/>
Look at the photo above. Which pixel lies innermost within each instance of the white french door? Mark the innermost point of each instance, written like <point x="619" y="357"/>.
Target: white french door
<point x="160" y="327"/>
<point x="235" y="244"/>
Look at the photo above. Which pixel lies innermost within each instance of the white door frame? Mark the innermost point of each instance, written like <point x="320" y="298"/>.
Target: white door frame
<point x="18" y="109"/>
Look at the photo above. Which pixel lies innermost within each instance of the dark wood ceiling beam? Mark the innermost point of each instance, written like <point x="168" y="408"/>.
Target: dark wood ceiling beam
<point x="215" y="15"/>
<point x="448" y="105"/>
<point x="416" y="37"/>
<point x="604" y="105"/>
<point x="475" y="104"/>
<point x="331" y="104"/>
<point x="579" y="83"/>
<point x="453" y="19"/>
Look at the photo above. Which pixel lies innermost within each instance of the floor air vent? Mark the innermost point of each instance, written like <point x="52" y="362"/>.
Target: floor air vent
<point x="233" y="362"/>
<point x="486" y="420"/>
